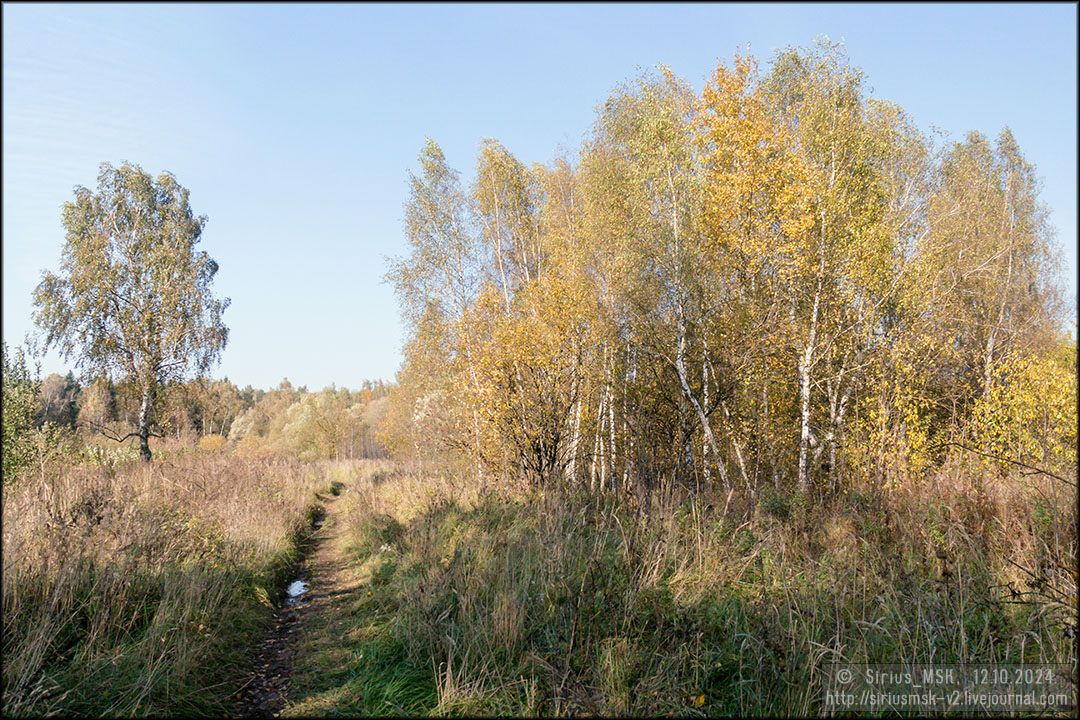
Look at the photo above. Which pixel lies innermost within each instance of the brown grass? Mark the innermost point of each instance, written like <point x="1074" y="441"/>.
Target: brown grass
<point x="136" y="590"/>
<point x="517" y="602"/>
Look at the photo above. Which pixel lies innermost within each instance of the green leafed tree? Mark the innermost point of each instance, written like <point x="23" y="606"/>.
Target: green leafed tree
<point x="20" y="403"/>
<point x="133" y="295"/>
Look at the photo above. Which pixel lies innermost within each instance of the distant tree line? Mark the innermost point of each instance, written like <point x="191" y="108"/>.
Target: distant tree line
<point x="58" y="415"/>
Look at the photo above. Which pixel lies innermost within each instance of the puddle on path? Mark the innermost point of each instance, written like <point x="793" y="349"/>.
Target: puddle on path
<point x="296" y="591"/>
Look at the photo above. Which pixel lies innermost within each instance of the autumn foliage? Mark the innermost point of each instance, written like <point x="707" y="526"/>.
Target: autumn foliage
<point x="779" y="283"/>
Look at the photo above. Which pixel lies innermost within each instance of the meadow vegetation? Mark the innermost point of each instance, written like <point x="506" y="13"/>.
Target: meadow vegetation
<point x="138" y="590"/>
<point x="561" y="602"/>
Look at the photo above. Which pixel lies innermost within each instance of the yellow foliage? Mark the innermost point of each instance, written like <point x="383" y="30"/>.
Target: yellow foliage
<point x="211" y="443"/>
<point x="1029" y="414"/>
<point x="758" y="198"/>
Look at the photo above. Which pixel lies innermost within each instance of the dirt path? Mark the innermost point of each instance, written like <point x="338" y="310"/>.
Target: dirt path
<point x="266" y="692"/>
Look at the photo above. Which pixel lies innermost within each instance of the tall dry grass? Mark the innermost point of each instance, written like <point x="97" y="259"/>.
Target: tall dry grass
<point x="560" y="603"/>
<point x="139" y="590"/>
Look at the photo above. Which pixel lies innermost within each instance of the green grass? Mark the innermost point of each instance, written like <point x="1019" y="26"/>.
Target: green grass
<point x="143" y="591"/>
<point x="355" y="665"/>
<point x="563" y="604"/>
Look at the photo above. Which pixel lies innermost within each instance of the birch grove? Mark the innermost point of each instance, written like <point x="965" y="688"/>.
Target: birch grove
<point x="779" y="281"/>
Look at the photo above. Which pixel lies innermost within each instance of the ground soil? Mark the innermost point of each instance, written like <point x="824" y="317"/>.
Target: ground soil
<point x="267" y="690"/>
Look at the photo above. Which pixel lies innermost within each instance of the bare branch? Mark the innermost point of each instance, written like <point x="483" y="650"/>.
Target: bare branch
<point x="1033" y="470"/>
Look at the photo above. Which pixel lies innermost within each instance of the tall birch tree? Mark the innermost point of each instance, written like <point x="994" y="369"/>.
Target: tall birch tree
<point x="133" y="295"/>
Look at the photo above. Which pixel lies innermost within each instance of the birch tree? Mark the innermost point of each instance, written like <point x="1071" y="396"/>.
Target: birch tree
<point x="133" y="295"/>
<point x="644" y="131"/>
<point x="438" y="282"/>
<point x="846" y="253"/>
<point x="758" y="213"/>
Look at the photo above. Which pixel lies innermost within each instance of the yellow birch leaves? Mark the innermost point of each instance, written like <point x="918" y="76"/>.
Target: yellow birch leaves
<point x="757" y="195"/>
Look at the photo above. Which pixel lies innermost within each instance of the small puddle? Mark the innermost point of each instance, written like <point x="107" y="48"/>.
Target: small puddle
<point x="295" y="592"/>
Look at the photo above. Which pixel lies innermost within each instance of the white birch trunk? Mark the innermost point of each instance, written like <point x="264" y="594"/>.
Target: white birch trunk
<point x="575" y="438"/>
<point x="804" y="394"/>
<point x="680" y="369"/>
<point x="598" y="433"/>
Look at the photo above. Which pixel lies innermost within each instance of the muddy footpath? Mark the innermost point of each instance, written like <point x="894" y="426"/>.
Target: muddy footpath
<point x="266" y="691"/>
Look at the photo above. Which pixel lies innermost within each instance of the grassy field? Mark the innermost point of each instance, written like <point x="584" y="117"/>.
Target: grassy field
<point x="557" y="603"/>
<point x="140" y="590"/>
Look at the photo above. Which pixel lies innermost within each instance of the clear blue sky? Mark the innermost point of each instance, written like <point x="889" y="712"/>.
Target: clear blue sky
<point x="293" y="126"/>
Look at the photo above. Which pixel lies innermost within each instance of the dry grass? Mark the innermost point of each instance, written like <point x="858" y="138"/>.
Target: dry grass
<point x="559" y="603"/>
<point x="132" y="590"/>
<point x="136" y="590"/>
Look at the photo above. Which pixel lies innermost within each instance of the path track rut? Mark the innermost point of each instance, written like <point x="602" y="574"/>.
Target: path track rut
<point x="267" y="690"/>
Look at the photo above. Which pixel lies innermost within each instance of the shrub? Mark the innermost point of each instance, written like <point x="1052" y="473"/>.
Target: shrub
<point x="212" y="443"/>
<point x="19" y="405"/>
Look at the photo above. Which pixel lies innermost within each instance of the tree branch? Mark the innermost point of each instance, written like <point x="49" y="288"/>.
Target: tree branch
<point x="104" y="430"/>
<point x="1034" y="470"/>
